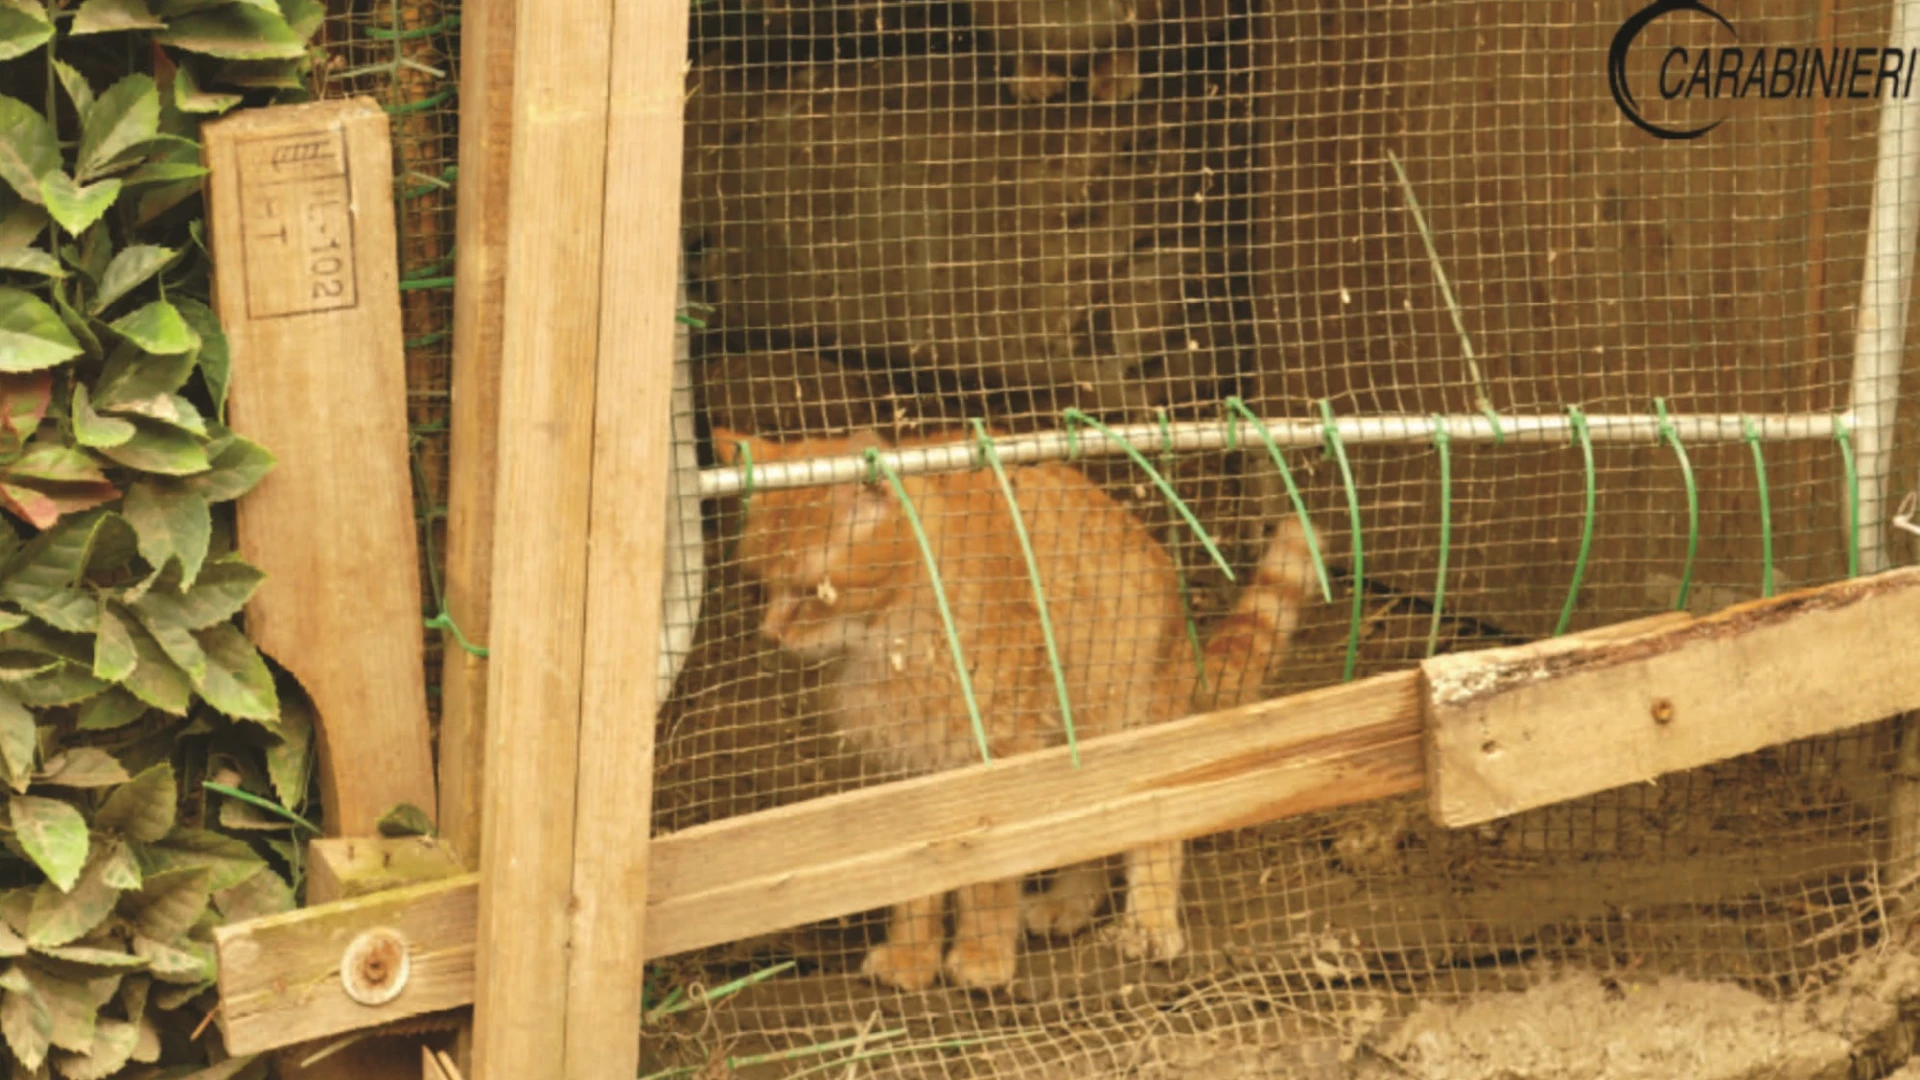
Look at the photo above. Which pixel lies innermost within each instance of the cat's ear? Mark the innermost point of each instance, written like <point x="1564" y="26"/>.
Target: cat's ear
<point x="865" y="507"/>
<point x="727" y="444"/>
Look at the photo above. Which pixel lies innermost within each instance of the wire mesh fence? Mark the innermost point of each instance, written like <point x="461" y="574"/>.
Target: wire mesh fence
<point x="905" y="216"/>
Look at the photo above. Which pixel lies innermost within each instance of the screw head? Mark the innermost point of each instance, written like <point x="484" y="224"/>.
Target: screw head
<point x="1662" y="711"/>
<point x="375" y="967"/>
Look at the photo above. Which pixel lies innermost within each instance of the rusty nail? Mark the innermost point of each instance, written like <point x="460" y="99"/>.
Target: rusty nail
<point x="375" y="967"/>
<point x="1662" y="711"/>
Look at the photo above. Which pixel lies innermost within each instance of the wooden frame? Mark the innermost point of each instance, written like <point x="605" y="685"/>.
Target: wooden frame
<point x="1240" y="767"/>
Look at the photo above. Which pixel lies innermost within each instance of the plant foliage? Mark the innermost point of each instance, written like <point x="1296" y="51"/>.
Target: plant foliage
<point x="129" y="697"/>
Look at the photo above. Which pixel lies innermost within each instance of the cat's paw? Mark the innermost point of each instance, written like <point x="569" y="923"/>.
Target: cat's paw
<point x="903" y="966"/>
<point x="1156" y="937"/>
<point x="1055" y="915"/>
<point x="978" y="964"/>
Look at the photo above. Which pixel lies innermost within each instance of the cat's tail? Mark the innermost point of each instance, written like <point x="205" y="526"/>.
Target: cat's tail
<point x="1245" y="646"/>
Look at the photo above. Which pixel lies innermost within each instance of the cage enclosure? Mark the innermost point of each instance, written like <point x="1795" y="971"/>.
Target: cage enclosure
<point x="1412" y="272"/>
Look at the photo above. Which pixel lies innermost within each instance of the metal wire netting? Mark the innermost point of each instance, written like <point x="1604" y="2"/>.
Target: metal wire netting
<point x="904" y="215"/>
<point x="404" y="55"/>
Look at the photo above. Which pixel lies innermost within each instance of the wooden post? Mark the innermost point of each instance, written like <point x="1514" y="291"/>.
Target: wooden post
<point x="479" y="294"/>
<point x="307" y="286"/>
<point x="583" y="456"/>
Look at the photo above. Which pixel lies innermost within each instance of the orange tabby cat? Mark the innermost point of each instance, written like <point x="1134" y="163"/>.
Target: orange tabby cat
<point x="844" y="582"/>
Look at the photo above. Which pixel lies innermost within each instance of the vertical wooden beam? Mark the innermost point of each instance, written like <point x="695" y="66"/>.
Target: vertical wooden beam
<point x="479" y="295"/>
<point x="584" y="414"/>
<point x="307" y="287"/>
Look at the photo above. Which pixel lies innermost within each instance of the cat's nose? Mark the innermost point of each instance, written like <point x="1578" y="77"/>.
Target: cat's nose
<point x="779" y="616"/>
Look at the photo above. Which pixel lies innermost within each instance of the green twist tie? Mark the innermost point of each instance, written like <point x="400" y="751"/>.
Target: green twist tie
<point x="1236" y="410"/>
<point x="990" y="456"/>
<point x="1585" y="438"/>
<point x="1843" y="434"/>
<point x="1499" y="433"/>
<point x="1331" y="430"/>
<point x="879" y="465"/>
<point x="444" y="621"/>
<point x="1671" y="436"/>
<point x="1441" y="445"/>
<point x="1752" y="436"/>
<point x="1075" y="416"/>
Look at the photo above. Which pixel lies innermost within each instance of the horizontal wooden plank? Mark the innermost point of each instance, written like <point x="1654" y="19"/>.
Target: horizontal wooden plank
<point x="280" y="976"/>
<point x="1515" y="728"/>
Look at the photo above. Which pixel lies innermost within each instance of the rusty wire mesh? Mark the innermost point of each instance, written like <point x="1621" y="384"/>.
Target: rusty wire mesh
<point x="403" y="54"/>
<point x="884" y="233"/>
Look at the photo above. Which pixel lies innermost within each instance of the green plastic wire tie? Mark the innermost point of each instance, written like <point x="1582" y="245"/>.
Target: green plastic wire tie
<point x="1499" y="433"/>
<point x="444" y="621"/>
<point x="878" y="464"/>
<point x="1237" y="410"/>
<point x="991" y="458"/>
<point x="1233" y="427"/>
<point x="1075" y="416"/>
<point x="1332" y="434"/>
<point x="1671" y="436"/>
<point x="1180" y="566"/>
<point x="1441" y="444"/>
<point x="1843" y="434"/>
<point x="1752" y="435"/>
<point x="1579" y="421"/>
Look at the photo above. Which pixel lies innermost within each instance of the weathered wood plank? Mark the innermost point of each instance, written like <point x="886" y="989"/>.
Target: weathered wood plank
<point x="1514" y="728"/>
<point x="307" y="287"/>
<point x="343" y="868"/>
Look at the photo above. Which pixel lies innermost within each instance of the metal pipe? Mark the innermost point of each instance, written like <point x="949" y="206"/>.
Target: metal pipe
<point x="1881" y="332"/>
<point x="1190" y="436"/>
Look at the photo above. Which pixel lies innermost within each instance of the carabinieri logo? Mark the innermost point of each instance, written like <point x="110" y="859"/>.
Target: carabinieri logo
<point x="1732" y="71"/>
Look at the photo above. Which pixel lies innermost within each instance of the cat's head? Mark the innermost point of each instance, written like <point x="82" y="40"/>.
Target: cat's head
<point x="827" y="558"/>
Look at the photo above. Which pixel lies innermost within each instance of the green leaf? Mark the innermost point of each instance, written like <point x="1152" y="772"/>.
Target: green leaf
<point x="79" y="91"/>
<point x="222" y="589"/>
<point x="125" y="117"/>
<point x="188" y="97"/>
<point x="173" y="523"/>
<point x="61" y="918"/>
<point x="214" y="358"/>
<point x="29" y="260"/>
<point x="94" y="957"/>
<point x="32" y="337"/>
<point x="188" y="963"/>
<point x="229" y="861"/>
<point x="156" y="448"/>
<point x="76" y="325"/>
<point x="168" y="905"/>
<point x="22" y="224"/>
<point x="83" y="767"/>
<point x="57" y="464"/>
<point x="28" y="150"/>
<point x="41" y="576"/>
<point x="120" y="868"/>
<point x="236" y="468"/>
<point x="155" y="680"/>
<point x="180" y="646"/>
<point x="237" y="681"/>
<point x="259" y="895"/>
<point x="92" y="429"/>
<point x="54" y="836"/>
<point x="130" y="269"/>
<point x="109" y="711"/>
<point x="19" y="740"/>
<point x="162" y="172"/>
<point x="305" y="16"/>
<point x="290" y="760"/>
<point x="130" y="375"/>
<point x="11" y="944"/>
<point x="113" y="655"/>
<point x="405" y="820"/>
<point x="142" y="808"/>
<point x="235" y="32"/>
<point x="105" y="16"/>
<point x="68" y="609"/>
<point x="74" y="1006"/>
<point x="27" y="1024"/>
<point x="170" y="409"/>
<point x="156" y="328"/>
<point x="68" y="684"/>
<point x="24" y="27"/>
<point x="20" y="666"/>
<point x="76" y="206"/>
